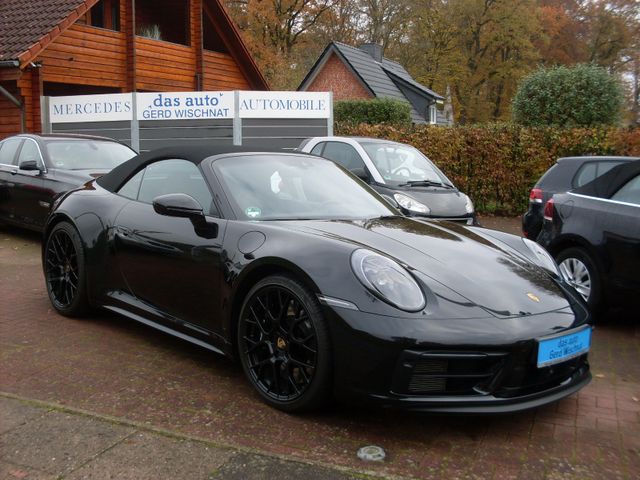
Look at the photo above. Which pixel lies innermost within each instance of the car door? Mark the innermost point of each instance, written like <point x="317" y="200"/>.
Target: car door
<point x="8" y="168"/>
<point x="166" y="263"/>
<point x="622" y="236"/>
<point x="32" y="198"/>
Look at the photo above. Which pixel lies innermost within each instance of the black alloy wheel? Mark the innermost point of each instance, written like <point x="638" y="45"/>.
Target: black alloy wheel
<point x="64" y="270"/>
<point x="283" y="343"/>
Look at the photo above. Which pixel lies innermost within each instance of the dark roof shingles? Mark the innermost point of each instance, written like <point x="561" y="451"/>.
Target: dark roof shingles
<point x="374" y="74"/>
<point x="398" y="70"/>
<point x="24" y="22"/>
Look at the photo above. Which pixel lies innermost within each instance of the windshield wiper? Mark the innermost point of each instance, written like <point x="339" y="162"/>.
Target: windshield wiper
<point x="425" y="183"/>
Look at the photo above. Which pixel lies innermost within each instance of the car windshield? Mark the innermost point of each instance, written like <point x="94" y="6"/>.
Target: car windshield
<point x="87" y="154"/>
<point x="402" y="164"/>
<point x="292" y="187"/>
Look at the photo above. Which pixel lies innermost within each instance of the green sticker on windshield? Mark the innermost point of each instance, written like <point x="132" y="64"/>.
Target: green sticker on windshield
<point x="253" y="212"/>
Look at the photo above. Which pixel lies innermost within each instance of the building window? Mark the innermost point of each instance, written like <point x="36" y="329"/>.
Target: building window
<point x="433" y="115"/>
<point x="166" y="20"/>
<point x="106" y="14"/>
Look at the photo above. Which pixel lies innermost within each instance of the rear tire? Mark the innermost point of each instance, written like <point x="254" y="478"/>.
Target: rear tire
<point x="580" y="271"/>
<point x="284" y="345"/>
<point x="65" y="272"/>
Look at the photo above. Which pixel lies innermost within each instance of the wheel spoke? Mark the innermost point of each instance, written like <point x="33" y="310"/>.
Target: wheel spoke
<point x="276" y="377"/>
<point x="306" y="378"/>
<point x="62" y="272"/>
<point x="255" y="345"/>
<point x="301" y="364"/>
<point x="258" y="322"/>
<point x="259" y="364"/>
<point x="60" y="247"/>
<point x="292" y="382"/>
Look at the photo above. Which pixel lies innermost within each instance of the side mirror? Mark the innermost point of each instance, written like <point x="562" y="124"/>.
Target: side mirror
<point x="29" y="166"/>
<point x="185" y="206"/>
<point x="177" y="205"/>
<point x="361" y="173"/>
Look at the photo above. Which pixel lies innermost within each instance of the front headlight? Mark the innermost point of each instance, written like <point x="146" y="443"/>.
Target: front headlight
<point x="546" y="261"/>
<point x="468" y="205"/>
<point x="387" y="280"/>
<point x="410" y="204"/>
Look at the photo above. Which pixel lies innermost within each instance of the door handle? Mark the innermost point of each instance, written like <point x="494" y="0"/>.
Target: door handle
<point x="125" y="232"/>
<point x="14" y="171"/>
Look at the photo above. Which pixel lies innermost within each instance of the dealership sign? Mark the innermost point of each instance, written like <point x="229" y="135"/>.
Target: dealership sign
<point x="185" y="105"/>
<point x="189" y="106"/>
<point x="91" y="108"/>
<point x="285" y="104"/>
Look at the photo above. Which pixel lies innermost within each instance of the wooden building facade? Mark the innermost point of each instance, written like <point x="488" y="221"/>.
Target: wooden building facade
<point x="75" y="47"/>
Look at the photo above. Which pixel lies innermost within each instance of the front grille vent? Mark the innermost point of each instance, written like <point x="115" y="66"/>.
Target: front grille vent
<point x="430" y="366"/>
<point x="444" y="373"/>
<point x="424" y="378"/>
<point x="423" y="384"/>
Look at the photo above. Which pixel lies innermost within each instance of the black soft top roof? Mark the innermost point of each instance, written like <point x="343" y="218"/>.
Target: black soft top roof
<point x="195" y="154"/>
<point x="606" y="185"/>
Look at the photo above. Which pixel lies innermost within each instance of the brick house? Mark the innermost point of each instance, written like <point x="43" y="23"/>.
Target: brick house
<point x="74" y="47"/>
<point x="362" y="73"/>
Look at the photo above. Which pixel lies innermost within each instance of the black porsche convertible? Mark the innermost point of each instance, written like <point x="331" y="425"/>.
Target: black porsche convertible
<point x="319" y="286"/>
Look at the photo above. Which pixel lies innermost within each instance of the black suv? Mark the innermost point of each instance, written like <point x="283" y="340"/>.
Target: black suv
<point x="568" y="173"/>
<point x="593" y="232"/>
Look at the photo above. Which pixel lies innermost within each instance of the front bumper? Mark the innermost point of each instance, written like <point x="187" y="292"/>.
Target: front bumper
<point x="488" y="404"/>
<point x="419" y="369"/>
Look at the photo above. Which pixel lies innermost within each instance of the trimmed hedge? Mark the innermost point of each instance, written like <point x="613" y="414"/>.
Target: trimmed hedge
<point x="375" y="111"/>
<point x="497" y="164"/>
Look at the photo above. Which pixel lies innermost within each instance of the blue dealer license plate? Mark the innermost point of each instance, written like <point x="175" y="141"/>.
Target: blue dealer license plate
<point x="563" y="347"/>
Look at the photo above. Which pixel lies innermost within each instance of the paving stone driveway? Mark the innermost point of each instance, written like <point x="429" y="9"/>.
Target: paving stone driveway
<point x="111" y="366"/>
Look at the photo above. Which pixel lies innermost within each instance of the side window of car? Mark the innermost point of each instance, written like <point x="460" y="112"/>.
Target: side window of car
<point x="585" y="174"/>
<point x="8" y="151"/>
<point x="30" y="151"/>
<point x="317" y="150"/>
<point x="630" y="192"/>
<point x="343" y="154"/>
<point x="592" y="170"/>
<point x="604" y="167"/>
<point x="132" y="187"/>
<point x="175" y="176"/>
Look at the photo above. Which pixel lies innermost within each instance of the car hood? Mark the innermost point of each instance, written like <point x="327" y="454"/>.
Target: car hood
<point x="441" y="202"/>
<point x="466" y="260"/>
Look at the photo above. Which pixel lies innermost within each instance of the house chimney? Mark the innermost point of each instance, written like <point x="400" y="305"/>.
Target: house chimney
<point x="373" y="49"/>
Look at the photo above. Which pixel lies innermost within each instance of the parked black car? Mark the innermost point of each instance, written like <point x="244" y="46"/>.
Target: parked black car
<point x="568" y="173"/>
<point x="399" y="172"/>
<point x="36" y="168"/>
<point x="594" y="234"/>
<point x="317" y="284"/>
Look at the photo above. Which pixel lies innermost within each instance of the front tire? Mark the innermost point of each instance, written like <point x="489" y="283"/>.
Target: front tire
<point x="65" y="273"/>
<point x="284" y="345"/>
<point x="580" y="271"/>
